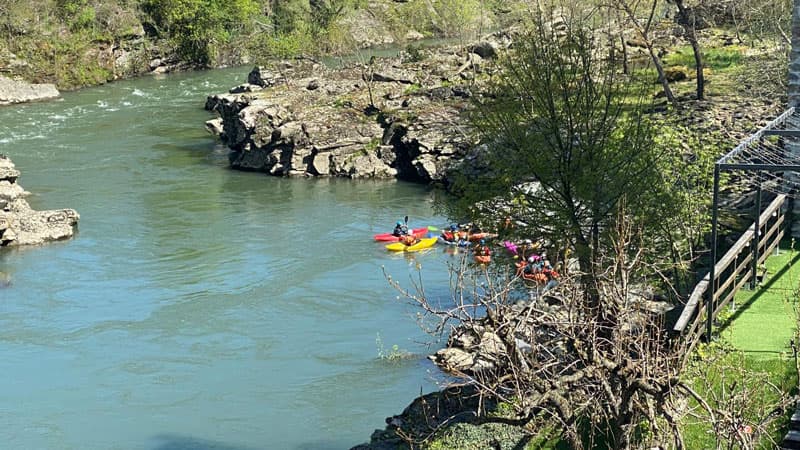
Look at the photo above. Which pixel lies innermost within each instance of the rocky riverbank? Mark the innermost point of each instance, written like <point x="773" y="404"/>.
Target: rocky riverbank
<point x="401" y="117"/>
<point x="19" y="223"/>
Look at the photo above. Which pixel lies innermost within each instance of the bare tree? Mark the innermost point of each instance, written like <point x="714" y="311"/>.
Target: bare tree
<point x="549" y="358"/>
<point x="642" y="28"/>
<point x="620" y="383"/>
<point x="739" y="407"/>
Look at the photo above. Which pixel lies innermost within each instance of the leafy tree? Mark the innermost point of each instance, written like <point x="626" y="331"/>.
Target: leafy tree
<point x="200" y="26"/>
<point x="567" y="134"/>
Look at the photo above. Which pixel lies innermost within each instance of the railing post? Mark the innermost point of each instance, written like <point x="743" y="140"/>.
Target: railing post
<point x="756" y="238"/>
<point x="712" y="274"/>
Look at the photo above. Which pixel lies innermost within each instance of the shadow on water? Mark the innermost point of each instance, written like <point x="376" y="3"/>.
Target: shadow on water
<point x="178" y="442"/>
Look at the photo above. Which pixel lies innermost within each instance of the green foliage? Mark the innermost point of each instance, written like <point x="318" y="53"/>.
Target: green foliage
<point x="372" y="145"/>
<point x="289" y="15"/>
<point x="448" y="18"/>
<point x="282" y="46"/>
<point x="78" y="13"/>
<point x="561" y="116"/>
<point x="84" y="19"/>
<point x="453" y="17"/>
<point x="68" y="61"/>
<point x="395" y="354"/>
<point x="70" y="7"/>
<point x="199" y="27"/>
<point x="714" y="58"/>
<point x="412" y="89"/>
<point x="414" y="53"/>
<point x="465" y="436"/>
<point x="678" y="214"/>
<point x="304" y="27"/>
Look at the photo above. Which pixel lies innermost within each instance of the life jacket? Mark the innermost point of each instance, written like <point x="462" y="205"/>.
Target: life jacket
<point x="448" y="236"/>
<point x="539" y="277"/>
<point x="552" y="274"/>
<point x="408" y="239"/>
<point x="520" y="267"/>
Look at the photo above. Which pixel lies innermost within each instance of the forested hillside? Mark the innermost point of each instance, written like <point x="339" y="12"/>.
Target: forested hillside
<point x="75" y="43"/>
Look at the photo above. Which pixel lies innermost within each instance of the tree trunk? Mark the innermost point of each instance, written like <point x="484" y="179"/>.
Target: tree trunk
<point x="625" y="69"/>
<point x="687" y="20"/>
<point x="643" y="32"/>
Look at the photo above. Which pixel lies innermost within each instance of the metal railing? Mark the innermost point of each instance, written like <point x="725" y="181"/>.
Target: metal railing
<point x="734" y="270"/>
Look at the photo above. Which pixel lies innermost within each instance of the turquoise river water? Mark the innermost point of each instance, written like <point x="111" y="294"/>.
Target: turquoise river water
<point x="198" y="307"/>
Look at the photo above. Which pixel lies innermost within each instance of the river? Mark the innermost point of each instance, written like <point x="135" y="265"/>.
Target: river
<point x="198" y="307"/>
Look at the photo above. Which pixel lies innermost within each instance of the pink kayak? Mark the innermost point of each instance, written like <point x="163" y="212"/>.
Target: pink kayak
<point x="389" y="237"/>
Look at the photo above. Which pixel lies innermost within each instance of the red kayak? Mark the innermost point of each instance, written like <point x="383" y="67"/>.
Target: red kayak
<point x="419" y="233"/>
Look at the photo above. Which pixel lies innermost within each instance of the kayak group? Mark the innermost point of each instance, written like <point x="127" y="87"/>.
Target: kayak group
<point x="530" y="261"/>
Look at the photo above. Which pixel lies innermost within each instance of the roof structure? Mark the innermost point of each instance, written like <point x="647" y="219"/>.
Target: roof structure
<point x="765" y="150"/>
<point x="767" y="161"/>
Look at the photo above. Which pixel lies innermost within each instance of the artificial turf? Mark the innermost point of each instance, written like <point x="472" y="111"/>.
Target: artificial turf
<point x="764" y="320"/>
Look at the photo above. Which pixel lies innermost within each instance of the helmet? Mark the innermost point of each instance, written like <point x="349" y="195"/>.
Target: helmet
<point x="399" y="223"/>
<point x="483" y="241"/>
<point x="527" y="241"/>
<point x="453" y="227"/>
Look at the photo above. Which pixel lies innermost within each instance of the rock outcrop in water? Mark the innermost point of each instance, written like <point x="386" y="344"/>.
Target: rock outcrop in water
<point x="19" y="223"/>
<point x="387" y="118"/>
<point x="12" y="91"/>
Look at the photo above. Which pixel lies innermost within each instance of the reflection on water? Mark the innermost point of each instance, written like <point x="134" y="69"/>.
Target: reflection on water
<point x="197" y="307"/>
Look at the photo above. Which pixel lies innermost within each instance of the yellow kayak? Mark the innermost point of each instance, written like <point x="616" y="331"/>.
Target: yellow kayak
<point x="423" y="243"/>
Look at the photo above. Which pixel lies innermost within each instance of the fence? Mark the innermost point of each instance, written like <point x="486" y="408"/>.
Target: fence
<point x="734" y="270"/>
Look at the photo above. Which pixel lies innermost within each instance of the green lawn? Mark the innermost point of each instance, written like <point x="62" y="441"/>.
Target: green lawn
<point x="752" y="357"/>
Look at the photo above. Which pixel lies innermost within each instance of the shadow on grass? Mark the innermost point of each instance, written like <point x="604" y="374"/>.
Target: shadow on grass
<point x="761" y="291"/>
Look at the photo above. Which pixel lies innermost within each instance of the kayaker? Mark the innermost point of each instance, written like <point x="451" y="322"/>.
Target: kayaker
<point x="511" y="248"/>
<point x="483" y="249"/>
<point x="527" y="248"/>
<point x="408" y="239"/>
<point x="450" y="235"/>
<point x="400" y="229"/>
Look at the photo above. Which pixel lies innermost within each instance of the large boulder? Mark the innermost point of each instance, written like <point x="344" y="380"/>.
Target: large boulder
<point x="19" y="223"/>
<point x="262" y="77"/>
<point x="12" y="91"/>
<point x="321" y="122"/>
